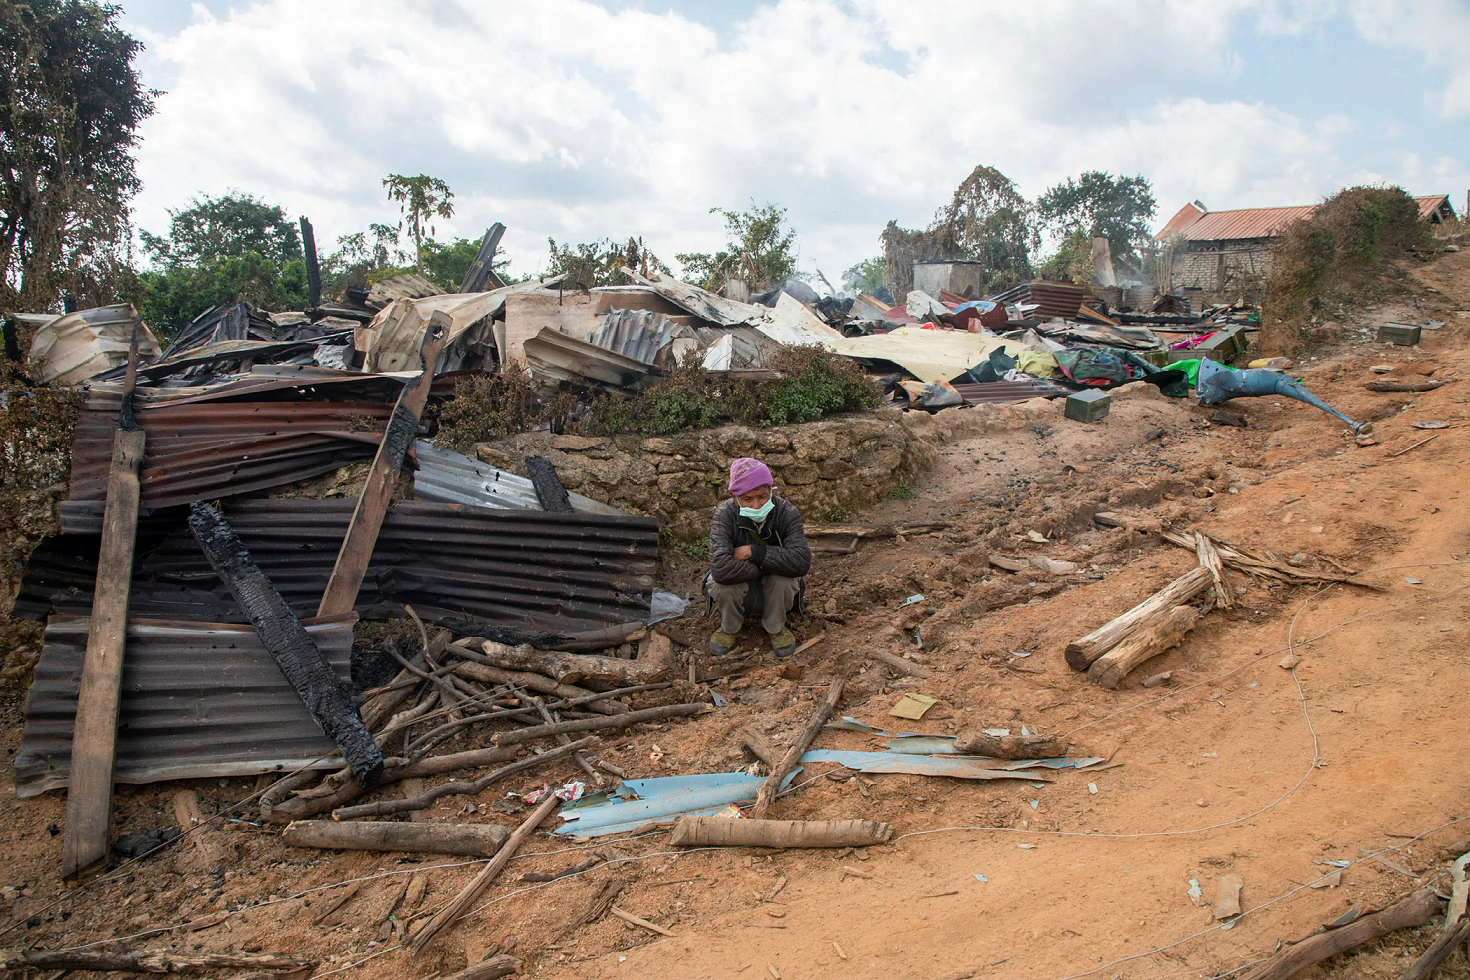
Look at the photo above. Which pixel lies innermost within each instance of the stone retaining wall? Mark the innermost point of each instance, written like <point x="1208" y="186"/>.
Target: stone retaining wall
<point x="830" y="469"/>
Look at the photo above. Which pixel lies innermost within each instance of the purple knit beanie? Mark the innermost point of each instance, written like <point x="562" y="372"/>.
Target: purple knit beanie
<point x="746" y="474"/>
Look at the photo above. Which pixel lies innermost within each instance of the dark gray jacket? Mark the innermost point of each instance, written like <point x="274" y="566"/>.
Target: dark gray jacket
<point x="783" y="551"/>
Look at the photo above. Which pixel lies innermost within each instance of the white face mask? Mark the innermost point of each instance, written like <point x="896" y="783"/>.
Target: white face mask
<point x="758" y="513"/>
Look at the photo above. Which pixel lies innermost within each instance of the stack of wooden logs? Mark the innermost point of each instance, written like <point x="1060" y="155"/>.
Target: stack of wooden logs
<point x="1161" y="621"/>
<point x="502" y="700"/>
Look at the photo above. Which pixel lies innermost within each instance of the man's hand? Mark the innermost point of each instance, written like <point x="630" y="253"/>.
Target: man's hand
<point x="743" y="553"/>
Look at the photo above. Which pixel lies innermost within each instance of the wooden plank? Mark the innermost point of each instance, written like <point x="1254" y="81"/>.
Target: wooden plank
<point x="372" y="506"/>
<point x="94" y="734"/>
<point x="1081" y="653"/>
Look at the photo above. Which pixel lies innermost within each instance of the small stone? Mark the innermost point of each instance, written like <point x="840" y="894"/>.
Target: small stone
<point x="1053" y="566"/>
<point x="1200" y="802"/>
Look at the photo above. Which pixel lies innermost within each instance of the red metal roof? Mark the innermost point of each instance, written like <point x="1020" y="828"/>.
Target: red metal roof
<point x="1198" y="225"/>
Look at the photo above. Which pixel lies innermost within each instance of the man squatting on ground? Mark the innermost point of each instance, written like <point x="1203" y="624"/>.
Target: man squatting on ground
<point x="756" y="540"/>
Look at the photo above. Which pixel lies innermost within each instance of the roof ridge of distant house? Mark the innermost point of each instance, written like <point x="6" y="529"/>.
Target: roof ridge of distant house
<point x="1197" y="223"/>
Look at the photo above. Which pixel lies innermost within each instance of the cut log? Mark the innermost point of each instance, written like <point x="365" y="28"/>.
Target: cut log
<point x="1163" y="634"/>
<point x="723" y="832"/>
<point x="594" y="724"/>
<point x="496" y="966"/>
<point x="568" y="668"/>
<point x="460" y="903"/>
<point x="1414" y="909"/>
<point x="1013" y="746"/>
<point x="99" y="961"/>
<point x="864" y="531"/>
<point x="814" y="724"/>
<point x="1081" y="653"/>
<point x="535" y="682"/>
<point x="372" y="506"/>
<point x="473" y="840"/>
<point x="287" y="641"/>
<point x="94" y="733"/>
<point x="600" y="639"/>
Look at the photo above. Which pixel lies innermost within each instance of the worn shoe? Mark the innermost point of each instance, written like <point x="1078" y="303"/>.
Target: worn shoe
<point x="783" y="643"/>
<point x="721" y="642"/>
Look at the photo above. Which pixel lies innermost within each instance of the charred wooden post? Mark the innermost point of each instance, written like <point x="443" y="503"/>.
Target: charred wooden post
<point x="289" y="644"/>
<point x="313" y="266"/>
<point x="549" y="491"/>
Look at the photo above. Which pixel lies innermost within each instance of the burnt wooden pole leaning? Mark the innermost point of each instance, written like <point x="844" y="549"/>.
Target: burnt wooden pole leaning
<point x="372" y="506"/>
<point x="94" y="734"/>
<point x="313" y="266"/>
<point x="290" y="646"/>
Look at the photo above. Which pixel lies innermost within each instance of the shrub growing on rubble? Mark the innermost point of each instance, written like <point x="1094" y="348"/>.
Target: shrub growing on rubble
<point x="1340" y="254"/>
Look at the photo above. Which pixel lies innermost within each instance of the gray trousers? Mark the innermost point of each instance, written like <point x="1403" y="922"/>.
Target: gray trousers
<point x="780" y="593"/>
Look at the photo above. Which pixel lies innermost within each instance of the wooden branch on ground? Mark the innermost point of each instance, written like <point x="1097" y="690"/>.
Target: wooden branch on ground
<point x="639" y="921"/>
<point x="1164" y="633"/>
<point x="595" y="724"/>
<point x="814" y="724"/>
<point x="94" y="730"/>
<point x="457" y="906"/>
<point x="1414" y="909"/>
<point x="864" y="532"/>
<point x="568" y="668"/>
<point x="496" y="966"/>
<point x="900" y="664"/>
<point x="82" y="959"/>
<point x="472" y="840"/>
<point x="1081" y="653"/>
<point x="1406" y="386"/>
<point x="1012" y="746"/>
<point x="425" y="800"/>
<point x="1210" y="558"/>
<point x="1438" y="952"/>
<point x="473" y="668"/>
<point x="721" y="832"/>
<point x="377" y="493"/>
<point x="760" y="747"/>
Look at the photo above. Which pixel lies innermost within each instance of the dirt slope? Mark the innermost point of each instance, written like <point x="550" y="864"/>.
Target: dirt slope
<point x="1239" y="767"/>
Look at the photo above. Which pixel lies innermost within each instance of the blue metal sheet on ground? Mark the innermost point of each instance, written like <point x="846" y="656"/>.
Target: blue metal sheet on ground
<point x="662" y="798"/>
<point x="957" y="767"/>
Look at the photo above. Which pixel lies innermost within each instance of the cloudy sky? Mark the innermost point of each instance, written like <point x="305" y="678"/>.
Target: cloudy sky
<point x="581" y="120"/>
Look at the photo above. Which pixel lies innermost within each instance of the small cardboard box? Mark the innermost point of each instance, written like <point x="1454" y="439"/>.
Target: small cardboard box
<point x="1088" y="406"/>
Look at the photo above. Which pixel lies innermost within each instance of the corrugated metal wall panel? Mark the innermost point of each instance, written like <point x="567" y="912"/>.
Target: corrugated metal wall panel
<point x="197" y="700"/>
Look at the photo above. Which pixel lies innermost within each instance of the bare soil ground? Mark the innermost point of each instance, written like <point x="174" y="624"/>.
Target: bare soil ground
<point x="1239" y="766"/>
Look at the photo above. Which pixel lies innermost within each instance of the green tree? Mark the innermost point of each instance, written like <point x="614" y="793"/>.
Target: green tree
<point x="1116" y="208"/>
<point x="219" y="249"/>
<point x="864" y="277"/>
<point x="215" y="228"/>
<point x="601" y="263"/>
<point x="758" y="251"/>
<point x="70" y="105"/>
<point x="987" y="221"/>
<point x="421" y="199"/>
<point x="1072" y="261"/>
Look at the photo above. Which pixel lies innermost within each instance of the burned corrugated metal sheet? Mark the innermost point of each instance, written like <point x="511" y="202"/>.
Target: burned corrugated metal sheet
<point x="228" y="321"/>
<point x="77" y="346"/>
<point x="198" y="699"/>
<point x="564" y="573"/>
<point x="554" y="356"/>
<point x="1052" y="298"/>
<point x="202" y="450"/>
<point x="1001" y="392"/>
<point x="639" y="334"/>
<point x="449" y="477"/>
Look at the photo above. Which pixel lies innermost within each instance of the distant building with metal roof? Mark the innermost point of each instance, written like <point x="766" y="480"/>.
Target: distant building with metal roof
<point x="1230" y="251"/>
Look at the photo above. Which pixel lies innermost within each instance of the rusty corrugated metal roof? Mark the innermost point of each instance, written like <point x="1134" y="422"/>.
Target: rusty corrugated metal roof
<point x="203" y="450"/>
<point x="1052" y="298"/>
<point x="198" y="699"/>
<point x="1196" y="225"/>
<point x="1431" y="204"/>
<point x="562" y="573"/>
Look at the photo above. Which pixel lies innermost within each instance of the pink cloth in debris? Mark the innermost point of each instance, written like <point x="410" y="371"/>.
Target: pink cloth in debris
<point x="746" y="474"/>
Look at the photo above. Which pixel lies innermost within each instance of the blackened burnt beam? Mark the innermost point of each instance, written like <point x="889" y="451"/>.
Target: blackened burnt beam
<point x="549" y="491"/>
<point x="313" y="267"/>
<point x="289" y="644"/>
<point x="482" y="270"/>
